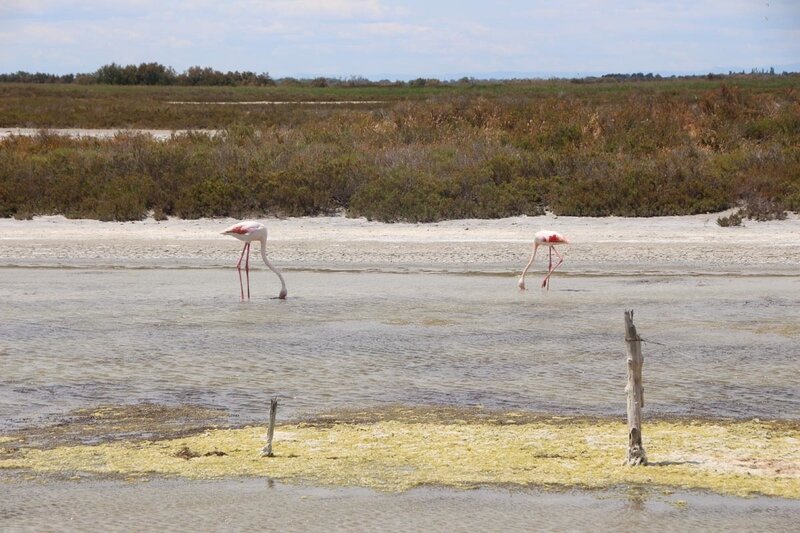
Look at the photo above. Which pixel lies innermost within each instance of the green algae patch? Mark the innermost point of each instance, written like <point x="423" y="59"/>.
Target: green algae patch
<point x="393" y="453"/>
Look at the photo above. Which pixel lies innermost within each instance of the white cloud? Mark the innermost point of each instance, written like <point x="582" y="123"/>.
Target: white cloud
<point x="411" y="37"/>
<point x="327" y="8"/>
<point x="393" y="29"/>
<point x="46" y="35"/>
<point x="309" y="10"/>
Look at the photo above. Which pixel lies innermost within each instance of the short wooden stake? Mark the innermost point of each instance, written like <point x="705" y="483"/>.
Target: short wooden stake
<point x="635" y="393"/>
<point x="273" y="409"/>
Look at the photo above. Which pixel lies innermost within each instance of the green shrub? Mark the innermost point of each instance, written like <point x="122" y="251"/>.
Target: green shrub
<point x="213" y="197"/>
<point x="403" y="195"/>
<point x="121" y="199"/>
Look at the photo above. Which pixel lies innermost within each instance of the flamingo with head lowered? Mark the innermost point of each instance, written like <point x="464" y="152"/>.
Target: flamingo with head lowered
<point x="249" y="231"/>
<point x="550" y="239"/>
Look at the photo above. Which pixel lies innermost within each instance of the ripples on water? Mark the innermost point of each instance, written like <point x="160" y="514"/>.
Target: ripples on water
<point x="69" y="338"/>
<point x="253" y="505"/>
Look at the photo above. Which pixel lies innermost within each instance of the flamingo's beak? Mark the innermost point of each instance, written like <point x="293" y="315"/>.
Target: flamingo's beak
<point x="282" y="295"/>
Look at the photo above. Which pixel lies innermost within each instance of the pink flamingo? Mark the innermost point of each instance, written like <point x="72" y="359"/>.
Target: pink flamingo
<point x="550" y="239"/>
<point x="249" y="231"/>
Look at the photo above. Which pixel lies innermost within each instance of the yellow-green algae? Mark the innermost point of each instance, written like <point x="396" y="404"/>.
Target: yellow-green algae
<point x="397" y="453"/>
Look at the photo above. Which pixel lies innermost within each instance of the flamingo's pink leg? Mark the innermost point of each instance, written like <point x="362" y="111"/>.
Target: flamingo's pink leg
<point x="239" y="264"/>
<point x="239" y="270"/>
<point x="247" y="269"/>
<point x="546" y="280"/>
<point x="552" y="268"/>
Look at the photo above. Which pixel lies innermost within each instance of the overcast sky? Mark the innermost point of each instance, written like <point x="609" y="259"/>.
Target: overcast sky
<point x="401" y="39"/>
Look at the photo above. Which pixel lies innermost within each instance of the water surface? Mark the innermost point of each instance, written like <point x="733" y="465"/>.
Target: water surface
<point x="720" y="345"/>
<point x="255" y="505"/>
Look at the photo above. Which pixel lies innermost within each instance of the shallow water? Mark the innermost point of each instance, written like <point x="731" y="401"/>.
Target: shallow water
<point x="254" y="505"/>
<point x="721" y="345"/>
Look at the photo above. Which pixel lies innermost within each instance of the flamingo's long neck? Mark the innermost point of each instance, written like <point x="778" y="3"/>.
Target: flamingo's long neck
<point x="269" y="265"/>
<point x="525" y="271"/>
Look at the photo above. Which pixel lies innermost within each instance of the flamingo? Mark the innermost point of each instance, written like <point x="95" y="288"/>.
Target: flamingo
<point x="550" y="239"/>
<point x="249" y="231"/>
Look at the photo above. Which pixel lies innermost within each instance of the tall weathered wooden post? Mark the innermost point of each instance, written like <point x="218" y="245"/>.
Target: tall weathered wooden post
<point x="635" y="393"/>
<point x="266" y="451"/>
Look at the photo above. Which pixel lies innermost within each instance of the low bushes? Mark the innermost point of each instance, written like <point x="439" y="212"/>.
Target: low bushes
<point x="631" y="153"/>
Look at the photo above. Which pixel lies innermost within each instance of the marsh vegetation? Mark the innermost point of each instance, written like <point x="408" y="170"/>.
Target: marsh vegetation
<point x="417" y="153"/>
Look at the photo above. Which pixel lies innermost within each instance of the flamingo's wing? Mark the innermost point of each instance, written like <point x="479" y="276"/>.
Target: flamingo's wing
<point x="547" y="236"/>
<point x="242" y="228"/>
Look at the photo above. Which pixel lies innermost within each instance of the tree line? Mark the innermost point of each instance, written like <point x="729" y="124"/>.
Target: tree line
<point x="158" y="74"/>
<point x="146" y="74"/>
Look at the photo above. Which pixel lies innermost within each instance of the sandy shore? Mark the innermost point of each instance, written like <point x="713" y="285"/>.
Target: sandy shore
<point x="679" y="229"/>
<point x="694" y="244"/>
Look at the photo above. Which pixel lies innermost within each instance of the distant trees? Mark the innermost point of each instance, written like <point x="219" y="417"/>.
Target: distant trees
<point x="424" y="82"/>
<point x="208" y="76"/>
<point x="157" y="74"/>
<point x="636" y="76"/>
<point x="35" y="77"/>
<point x="145" y="74"/>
